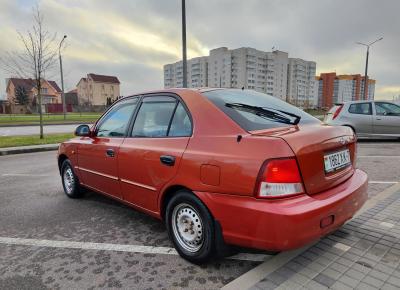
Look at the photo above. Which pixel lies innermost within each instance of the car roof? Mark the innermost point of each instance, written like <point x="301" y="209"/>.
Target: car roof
<point x="177" y="90"/>
<point x="358" y="101"/>
<point x="363" y="101"/>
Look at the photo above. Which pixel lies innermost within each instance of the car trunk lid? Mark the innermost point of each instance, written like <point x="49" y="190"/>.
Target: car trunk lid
<point x="311" y="143"/>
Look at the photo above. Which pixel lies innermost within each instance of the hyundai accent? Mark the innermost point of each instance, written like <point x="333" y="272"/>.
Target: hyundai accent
<point x="219" y="167"/>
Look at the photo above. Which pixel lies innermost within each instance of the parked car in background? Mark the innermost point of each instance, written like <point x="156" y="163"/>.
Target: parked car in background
<point x="220" y="166"/>
<point x="367" y="118"/>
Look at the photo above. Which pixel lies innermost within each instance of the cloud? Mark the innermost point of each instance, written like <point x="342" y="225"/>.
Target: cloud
<point x="134" y="39"/>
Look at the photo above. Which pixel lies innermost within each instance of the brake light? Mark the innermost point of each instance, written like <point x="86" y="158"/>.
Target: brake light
<point x="337" y="112"/>
<point x="279" y="178"/>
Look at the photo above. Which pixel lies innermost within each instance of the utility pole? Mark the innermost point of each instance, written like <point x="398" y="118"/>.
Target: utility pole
<point x="184" y="61"/>
<point x="366" y="66"/>
<point x="62" y="77"/>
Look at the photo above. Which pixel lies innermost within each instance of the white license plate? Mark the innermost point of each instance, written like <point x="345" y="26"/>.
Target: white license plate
<point x="337" y="160"/>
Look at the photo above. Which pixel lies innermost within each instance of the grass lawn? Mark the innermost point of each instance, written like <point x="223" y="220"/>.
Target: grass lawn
<point x="19" y="119"/>
<point x="14" y="141"/>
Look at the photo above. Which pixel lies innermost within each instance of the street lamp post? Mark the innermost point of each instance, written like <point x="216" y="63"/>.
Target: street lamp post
<point x="184" y="60"/>
<point x="366" y="65"/>
<point x="62" y="77"/>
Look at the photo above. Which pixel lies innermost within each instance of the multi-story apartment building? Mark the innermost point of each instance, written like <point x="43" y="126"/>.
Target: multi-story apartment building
<point x="334" y="88"/>
<point x="249" y="68"/>
<point x="95" y="89"/>
<point x="301" y="83"/>
<point x="197" y="73"/>
<point x="243" y="67"/>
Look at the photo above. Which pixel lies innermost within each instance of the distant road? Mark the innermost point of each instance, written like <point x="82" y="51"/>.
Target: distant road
<point x="32" y="130"/>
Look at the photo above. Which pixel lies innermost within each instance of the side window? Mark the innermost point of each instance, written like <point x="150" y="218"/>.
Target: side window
<point x="154" y="117"/>
<point x="116" y="122"/>
<point x="181" y="125"/>
<point x="360" y="108"/>
<point x="387" y="109"/>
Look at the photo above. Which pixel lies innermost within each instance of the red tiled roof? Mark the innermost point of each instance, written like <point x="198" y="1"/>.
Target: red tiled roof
<point x="55" y="86"/>
<point x="28" y="84"/>
<point x="104" y="79"/>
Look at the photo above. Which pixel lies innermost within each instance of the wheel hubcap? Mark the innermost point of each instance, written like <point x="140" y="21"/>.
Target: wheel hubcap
<point x="69" y="180"/>
<point x="187" y="227"/>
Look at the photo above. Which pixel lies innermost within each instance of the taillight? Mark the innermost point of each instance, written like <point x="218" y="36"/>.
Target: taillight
<point x="279" y="178"/>
<point x="337" y="112"/>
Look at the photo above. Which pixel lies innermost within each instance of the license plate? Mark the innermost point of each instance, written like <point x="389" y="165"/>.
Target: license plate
<point x="336" y="161"/>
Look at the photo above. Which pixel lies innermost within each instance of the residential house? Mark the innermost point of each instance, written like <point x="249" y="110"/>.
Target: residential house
<point x="51" y="92"/>
<point x="71" y="97"/>
<point x="95" y="89"/>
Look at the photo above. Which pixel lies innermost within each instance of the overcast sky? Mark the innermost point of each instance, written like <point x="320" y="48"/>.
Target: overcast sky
<point x="133" y="39"/>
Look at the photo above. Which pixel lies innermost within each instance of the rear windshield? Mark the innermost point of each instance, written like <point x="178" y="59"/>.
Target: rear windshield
<point x="250" y="121"/>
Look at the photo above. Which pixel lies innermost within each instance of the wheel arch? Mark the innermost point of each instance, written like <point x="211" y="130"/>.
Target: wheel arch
<point x="351" y="126"/>
<point x="61" y="159"/>
<point x="166" y="196"/>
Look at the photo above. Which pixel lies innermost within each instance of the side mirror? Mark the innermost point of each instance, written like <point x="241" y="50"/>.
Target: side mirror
<point x="82" y="131"/>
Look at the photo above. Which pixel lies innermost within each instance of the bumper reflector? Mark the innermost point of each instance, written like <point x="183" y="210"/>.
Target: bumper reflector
<point x="327" y="221"/>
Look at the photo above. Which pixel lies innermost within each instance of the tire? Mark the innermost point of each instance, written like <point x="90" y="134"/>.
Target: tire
<point x="70" y="181"/>
<point x="191" y="227"/>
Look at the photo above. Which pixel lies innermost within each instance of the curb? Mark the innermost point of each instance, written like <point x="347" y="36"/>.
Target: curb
<point x="28" y="149"/>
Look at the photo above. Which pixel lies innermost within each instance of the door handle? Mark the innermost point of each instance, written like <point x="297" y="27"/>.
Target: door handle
<point x="167" y="160"/>
<point x="110" y="152"/>
<point x="378" y="118"/>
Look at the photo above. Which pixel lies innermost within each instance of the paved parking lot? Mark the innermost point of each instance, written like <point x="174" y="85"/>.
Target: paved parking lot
<point x="48" y="241"/>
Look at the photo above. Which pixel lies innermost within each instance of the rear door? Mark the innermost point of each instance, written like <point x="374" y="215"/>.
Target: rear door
<point x="387" y="119"/>
<point x="360" y="117"/>
<point x="98" y="155"/>
<point x="150" y="156"/>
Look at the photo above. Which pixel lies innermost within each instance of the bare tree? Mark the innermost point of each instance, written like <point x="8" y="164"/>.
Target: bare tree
<point x="38" y="56"/>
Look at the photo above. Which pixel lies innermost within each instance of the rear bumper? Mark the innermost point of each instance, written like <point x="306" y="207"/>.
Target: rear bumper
<point x="286" y="223"/>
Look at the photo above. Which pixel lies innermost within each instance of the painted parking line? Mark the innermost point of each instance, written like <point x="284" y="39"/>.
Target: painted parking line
<point x="116" y="247"/>
<point x="25" y="175"/>
<point x="383" y="182"/>
<point x="378" y="156"/>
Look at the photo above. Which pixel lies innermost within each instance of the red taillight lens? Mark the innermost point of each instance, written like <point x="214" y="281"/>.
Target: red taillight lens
<point x="279" y="178"/>
<point x="337" y="112"/>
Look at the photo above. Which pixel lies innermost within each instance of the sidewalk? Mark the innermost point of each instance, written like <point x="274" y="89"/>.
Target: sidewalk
<point x="28" y="149"/>
<point x="363" y="254"/>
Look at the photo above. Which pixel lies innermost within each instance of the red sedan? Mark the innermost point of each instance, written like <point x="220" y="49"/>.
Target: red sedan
<point x="220" y="166"/>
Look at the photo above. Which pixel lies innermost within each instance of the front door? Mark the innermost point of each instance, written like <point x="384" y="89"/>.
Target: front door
<point x="98" y="155"/>
<point x="387" y="118"/>
<point x="150" y="156"/>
